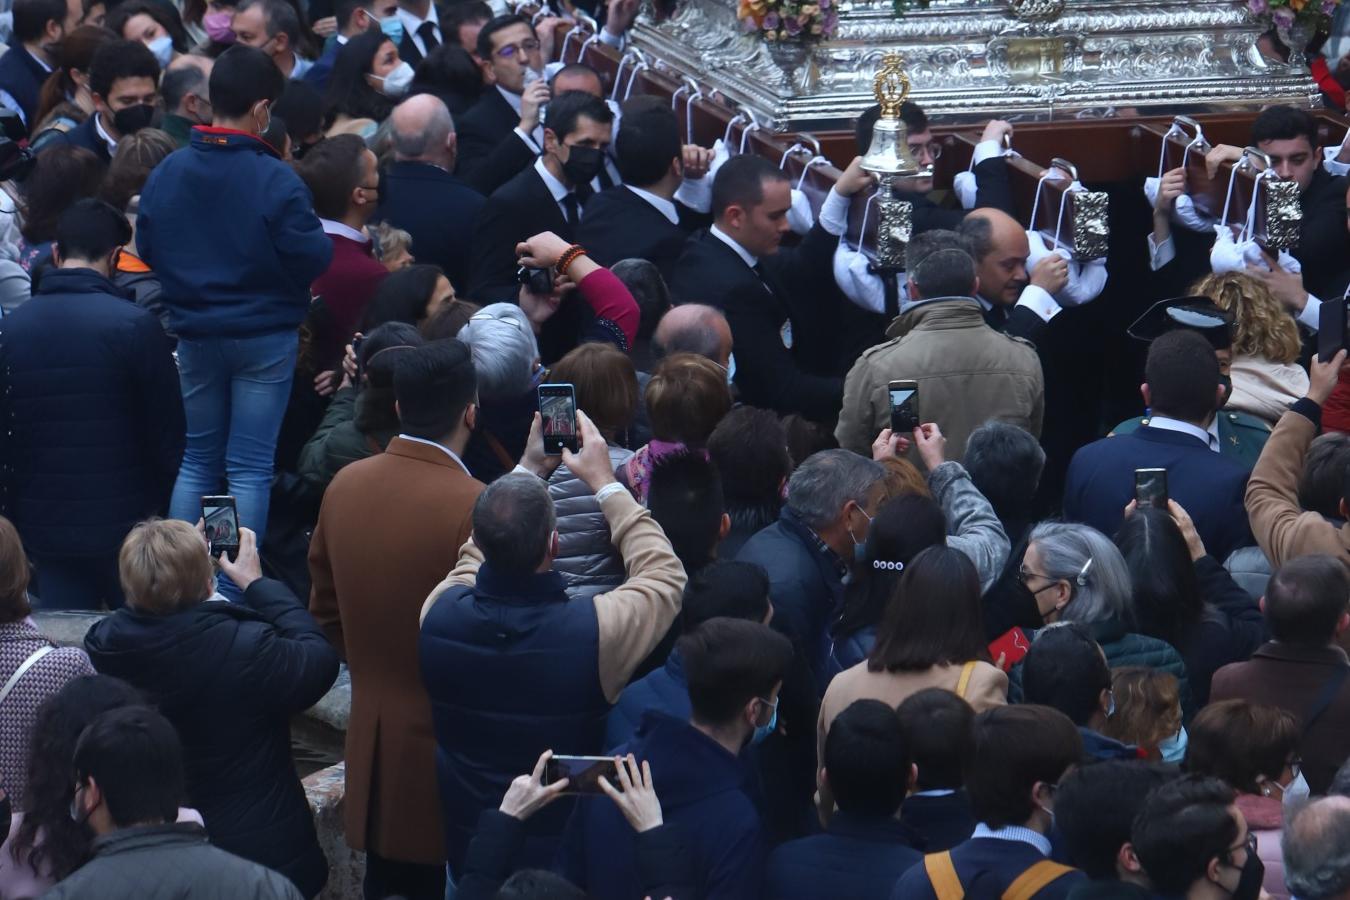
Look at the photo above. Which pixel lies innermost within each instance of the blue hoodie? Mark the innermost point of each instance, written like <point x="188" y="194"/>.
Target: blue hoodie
<point x="231" y="232"/>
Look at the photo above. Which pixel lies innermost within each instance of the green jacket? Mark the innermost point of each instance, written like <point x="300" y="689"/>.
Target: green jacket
<point x="1241" y="436"/>
<point x="338" y="442"/>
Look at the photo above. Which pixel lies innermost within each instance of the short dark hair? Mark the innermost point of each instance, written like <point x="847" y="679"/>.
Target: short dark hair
<point x="494" y="25"/>
<point x="685" y="499"/>
<point x="647" y="142"/>
<point x="940" y="264"/>
<point x="866" y="759"/>
<point x="279" y="17"/>
<point x="302" y="108"/>
<point x="1305" y="600"/>
<point x="513" y="522"/>
<point x="1284" y="123"/>
<point x="1183" y="375"/>
<point x="1184" y="824"/>
<point x="644" y="281"/>
<point x="725" y="588"/>
<point x="915" y="119"/>
<point x="343" y="11"/>
<point x="740" y="182"/>
<point x="749" y="447"/>
<point x="242" y="76"/>
<point x="566" y="110"/>
<point x="574" y="70"/>
<point x="91" y="229"/>
<point x="434" y="383"/>
<point x="1015" y="747"/>
<point x="1005" y="463"/>
<point x="464" y="13"/>
<point x="1326" y="467"/>
<point x="180" y="82"/>
<point x="402" y="296"/>
<point x="1240" y="742"/>
<point x="727" y="662"/>
<point x="31" y="18"/>
<point x="134" y="756"/>
<point x="1065" y="670"/>
<point x="1095" y="808"/>
<point x="939" y="730"/>
<point x="332" y="169"/>
<point x="116" y="60"/>
<point x="939" y="622"/>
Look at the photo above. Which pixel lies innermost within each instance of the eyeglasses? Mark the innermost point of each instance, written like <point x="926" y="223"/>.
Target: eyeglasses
<point x="1249" y="843"/>
<point x="1024" y="576"/>
<point x="933" y="148"/>
<point x="510" y="50"/>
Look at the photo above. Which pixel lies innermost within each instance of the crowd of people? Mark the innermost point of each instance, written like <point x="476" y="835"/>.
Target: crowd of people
<point x="673" y="547"/>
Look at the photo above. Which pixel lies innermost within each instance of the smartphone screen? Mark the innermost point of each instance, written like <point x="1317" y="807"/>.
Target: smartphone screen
<point x="1150" y="488"/>
<point x="904" y="406"/>
<point x="558" y="408"/>
<point x="583" y="773"/>
<point x="1331" y="325"/>
<point x="222" y="525"/>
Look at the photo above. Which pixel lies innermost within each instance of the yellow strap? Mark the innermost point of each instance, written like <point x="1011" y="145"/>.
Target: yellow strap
<point x="964" y="681"/>
<point x="942" y="874"/>
<point x="1030" y="882"/>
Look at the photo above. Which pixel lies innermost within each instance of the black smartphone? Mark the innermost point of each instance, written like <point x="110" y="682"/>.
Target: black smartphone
<point x="558" y="408"/>
<point x="1150" y="488"/>
<point x="222" y="525"/>
<point x="1331" y="321"/>
<point x="583" y="773"/>
<point x="904" y="406"/>
<point x="539" y="281"/>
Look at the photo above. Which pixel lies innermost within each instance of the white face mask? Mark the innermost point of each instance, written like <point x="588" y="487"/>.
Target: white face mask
<point x="162" y="47"/>
<point x="1296" y="792"/>
<point x="731" y="367"/>
<point x="397" y="82"/>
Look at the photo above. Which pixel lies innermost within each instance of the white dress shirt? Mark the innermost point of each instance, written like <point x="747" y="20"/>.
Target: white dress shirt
<point x="1210" y="436"/>
<point x="535" y="139"/>
<point x="412" y="22"/>
<point x="331" y="226"/>
<point x="107" y="138"/>
<point x="746" y="256"/>
<point x="1034" y="298"/>
<point x="662" y="205"/>
<point x="1014" y="833"/>
<point x="441" y="447"/>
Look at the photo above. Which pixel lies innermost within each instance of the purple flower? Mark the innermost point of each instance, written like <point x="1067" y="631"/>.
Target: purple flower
<point x="1283" y="17"/>
<point x="748" y="25"/>
<point x="771" y="22"/>
<point x="831" y="21"/>
<point x="1329" y="6"/>
<point x="826" y="4"/>
<point x="794" y="27"/>
<point x="1258" y="7"/>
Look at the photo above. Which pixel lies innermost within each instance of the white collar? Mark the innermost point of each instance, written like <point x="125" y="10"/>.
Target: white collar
<point x="1014" y="833"/>
<point x="300" y="67"/>
<point x="412" y="21"/>
<point x="342" y="230"/>
<point x="663" y="206"/>
<point x="513" y="99"/>
<point x="935" y="792"/>
<point x="37" y="59"/>
<point x="441" y="447"/>
<point x="107" y="138"/>
<point x="341" y="39"/>
<point x="746" y="256"/>
<point x="555" y="187"/>
<point x="1210" y="437"/>
<point x="984" y="304"/>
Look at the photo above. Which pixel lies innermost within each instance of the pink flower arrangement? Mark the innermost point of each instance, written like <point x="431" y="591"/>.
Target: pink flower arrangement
<point x="1284" y="14"/>
<point x="790" y="21"/>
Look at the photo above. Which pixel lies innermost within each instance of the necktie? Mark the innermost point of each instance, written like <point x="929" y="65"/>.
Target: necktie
<point x="427" y="32"/>
<point x="572" y="211"/>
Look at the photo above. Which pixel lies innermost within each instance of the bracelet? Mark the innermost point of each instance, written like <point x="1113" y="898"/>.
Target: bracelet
<point x="568" y="257"/>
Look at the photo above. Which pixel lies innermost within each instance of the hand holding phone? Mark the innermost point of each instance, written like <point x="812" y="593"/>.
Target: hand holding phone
<point x="558" y="406"/>
<point x="904" y="397"/>
<point x="1150" y="488"/>
<point x="530" y="793"/>
<point x="582" y="773"/>
<point x="221" y="522"/>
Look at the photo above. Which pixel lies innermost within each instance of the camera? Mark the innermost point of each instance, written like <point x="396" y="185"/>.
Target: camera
<point x="539" y="281"/>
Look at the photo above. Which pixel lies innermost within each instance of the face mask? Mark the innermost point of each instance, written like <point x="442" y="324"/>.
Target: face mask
<point x="1173" y="749"/>
<point x="132" y="119"/>
<point x="1249" y="882"/>
<point x="731" y="367"/>
<point x="268" y="124"/>
<point x="393" y="29"/>
<point x="1296" y="792"/>
<point x="78" y="816"/>
<point x="860" y="547"/>
<point x="217" y="26"/>
<point x="762" y="732"/>
<point x="1110" y="704"/>
<point x="583" y="164"/>
<point x="395" y="84"/>
<point x="162" y="47"/>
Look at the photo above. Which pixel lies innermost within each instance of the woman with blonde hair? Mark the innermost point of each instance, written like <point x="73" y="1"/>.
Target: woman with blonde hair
<point x="1265" y="370"/>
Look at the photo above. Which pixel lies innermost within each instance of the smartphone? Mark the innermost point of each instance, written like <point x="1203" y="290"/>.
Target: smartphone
<point x="222" y="525"/>
<point x="1331" y="322"/>
<point x="1150" y="488"/>
<point x="583" y="773"/>
<point x="558" y="408"/>
<point x="1012" y="646"/>
<point x="539" y="281"/>
<point x="904" y="406"/>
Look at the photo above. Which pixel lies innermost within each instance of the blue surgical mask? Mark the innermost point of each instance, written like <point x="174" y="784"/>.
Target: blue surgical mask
<point x="1173" y="749"/>
<point x="762" y="732"/>
<point x="731" y="367"/>
<point x="1110" y="704"/>
<point x="392" y="26"/>
<point x="860" y="547"/>
<point x="162" y="47"/>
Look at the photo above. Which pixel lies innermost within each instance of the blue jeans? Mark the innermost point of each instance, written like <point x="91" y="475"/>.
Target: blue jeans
<point x="235" y="392"/>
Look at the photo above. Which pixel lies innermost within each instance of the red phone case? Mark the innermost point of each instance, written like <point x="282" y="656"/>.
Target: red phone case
<point x="1012" y="645"/>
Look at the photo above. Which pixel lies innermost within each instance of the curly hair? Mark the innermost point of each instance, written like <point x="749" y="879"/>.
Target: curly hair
<point x="1262" y="327"/>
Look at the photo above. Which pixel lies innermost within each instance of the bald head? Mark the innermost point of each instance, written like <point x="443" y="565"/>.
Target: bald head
<point x="1317" y="850"/>
<point x="1000" y="245"/>
<point x="694" y="328"/>
<point x="422" y="131"/>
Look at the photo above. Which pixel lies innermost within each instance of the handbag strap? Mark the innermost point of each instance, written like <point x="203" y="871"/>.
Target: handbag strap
<point x="1325" y="697"/>
<point x="963" y="682"/>
<point x="942" y="874"/>
<point x="23" y="668"/>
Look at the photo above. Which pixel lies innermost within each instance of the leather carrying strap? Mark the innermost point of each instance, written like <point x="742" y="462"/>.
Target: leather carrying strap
<point x="964" y="681"/>
<point x="942" y="874"/>
<point x="1034" y="879"/>
<point x="1325" y="698"/>
<point x="23" y="668"/>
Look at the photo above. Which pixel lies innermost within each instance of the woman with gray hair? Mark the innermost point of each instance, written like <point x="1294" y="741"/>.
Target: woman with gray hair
<point x="506" y="360"/>
<point x="1075" y="574"/>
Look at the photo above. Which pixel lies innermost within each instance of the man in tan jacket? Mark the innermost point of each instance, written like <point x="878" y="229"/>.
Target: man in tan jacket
<point x="1282" y="528"/>
<point x="967" y="373"/>
<point x="514" y="666"/>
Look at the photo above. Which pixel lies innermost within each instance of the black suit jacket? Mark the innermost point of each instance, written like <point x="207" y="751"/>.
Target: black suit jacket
<point x="517" y="210"/>
<point x="621" y="225"/>
<point x="437" y="209"/>
<point x="490" y="152"/>
<point x="1017" y="321"/>
<point x="992" y="190"/>
<point x="1323" y="244"/>
<point x="407" y="49"/>
<point x="84" y="135"/>
<point x="768" y="373"/>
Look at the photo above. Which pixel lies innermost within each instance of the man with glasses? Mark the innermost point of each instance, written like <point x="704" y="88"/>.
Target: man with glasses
<point x="1194" y="843"/>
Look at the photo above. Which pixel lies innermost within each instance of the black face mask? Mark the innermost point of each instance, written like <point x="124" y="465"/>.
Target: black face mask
<point x="133" y="118"/>
<point x="1226" y="382"/>
<point x="583" y="164"/>
<point x="1249" y="882"/>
